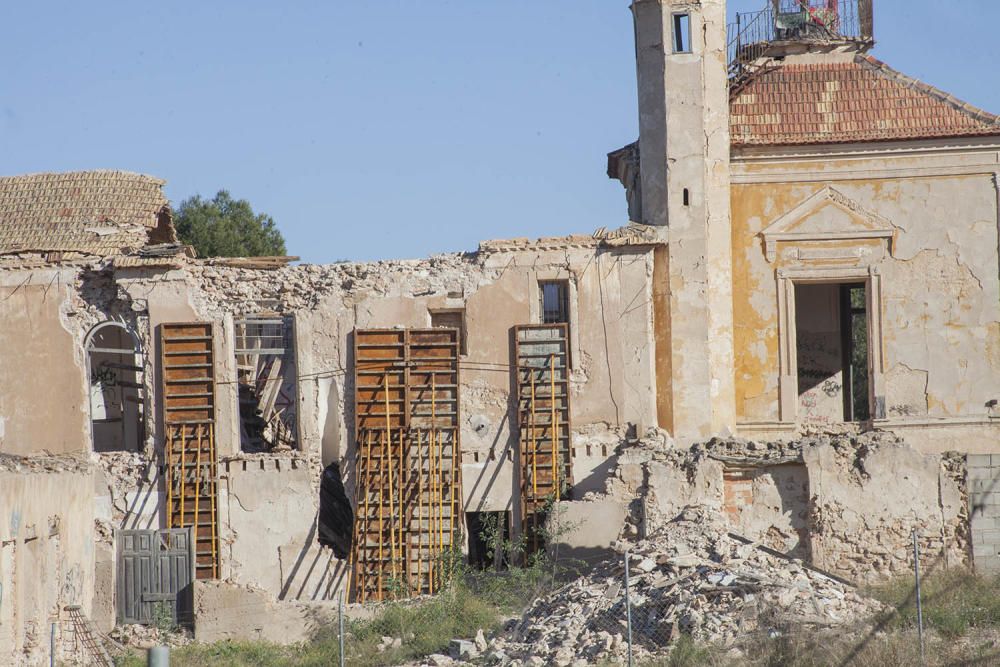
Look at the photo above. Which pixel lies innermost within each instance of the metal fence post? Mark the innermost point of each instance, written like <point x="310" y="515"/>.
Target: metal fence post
<point x="341" y="628"/>
<point x="158" y="656"/>
<point x="628" y="613"/>
<point x="920" y="610"/>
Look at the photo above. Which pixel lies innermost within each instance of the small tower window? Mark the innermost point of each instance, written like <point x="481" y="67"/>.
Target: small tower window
<point x="682" y="33"/>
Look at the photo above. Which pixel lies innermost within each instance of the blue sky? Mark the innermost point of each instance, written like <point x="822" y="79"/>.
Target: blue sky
<point x="381" y="129"/>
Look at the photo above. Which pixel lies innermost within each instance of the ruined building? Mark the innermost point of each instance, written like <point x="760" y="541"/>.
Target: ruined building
<point x="811" y="255"/>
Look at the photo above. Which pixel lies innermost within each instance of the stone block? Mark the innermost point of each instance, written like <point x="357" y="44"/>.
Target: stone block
<point x="982" y="473"/>
<point x="986" y="536"/>
<point x="978" y="461"/>
<point x="989" y="511"/>
<point x="983" y="498"/>
<point x="984" y="550"/>
<point x="462" y="649"/>
<point x="982" y="523"/>
<point x="984" y="485"/>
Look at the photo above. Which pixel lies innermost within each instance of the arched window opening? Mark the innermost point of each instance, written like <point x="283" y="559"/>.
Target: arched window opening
<point x="117" y="398"/>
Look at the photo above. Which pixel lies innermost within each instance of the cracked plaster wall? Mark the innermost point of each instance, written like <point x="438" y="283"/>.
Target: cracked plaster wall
<point x="41" y="410"/>
<point x="940" y="290"/>
<point x="47" y="555"/>
<point x="268" y="533"/>
<point x="269" y="511"/>
<point x="613" y="382"/>
<point x="684" y="144"/>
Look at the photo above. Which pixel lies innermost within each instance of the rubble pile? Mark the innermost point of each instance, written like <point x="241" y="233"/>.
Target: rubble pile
<point x="223" y="289"/>
<point x="690" y="577"/>
<point x="147" y="636"/>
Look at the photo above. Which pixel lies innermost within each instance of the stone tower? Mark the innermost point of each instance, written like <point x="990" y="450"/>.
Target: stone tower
<point x="684" y="172"/>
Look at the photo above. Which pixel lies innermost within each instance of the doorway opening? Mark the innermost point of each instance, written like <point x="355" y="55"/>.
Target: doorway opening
<point x="831" y="340"/>
<point x="489" y="539"/>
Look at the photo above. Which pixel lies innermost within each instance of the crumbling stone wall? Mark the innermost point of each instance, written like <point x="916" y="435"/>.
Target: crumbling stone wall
<point x="867" y="493"/>
<point x="870" y="493"/>
<point x="612" y="376"/>
<point x="46" y="551"/>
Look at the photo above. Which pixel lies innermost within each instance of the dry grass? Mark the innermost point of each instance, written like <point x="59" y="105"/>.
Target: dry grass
<point x="961" y="612"/>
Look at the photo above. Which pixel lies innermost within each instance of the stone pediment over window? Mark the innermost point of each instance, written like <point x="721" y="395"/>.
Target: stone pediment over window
<point x="827" y="216"/>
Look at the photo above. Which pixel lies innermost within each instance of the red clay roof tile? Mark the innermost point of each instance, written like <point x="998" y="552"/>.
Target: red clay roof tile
<point x="863" y="100"/>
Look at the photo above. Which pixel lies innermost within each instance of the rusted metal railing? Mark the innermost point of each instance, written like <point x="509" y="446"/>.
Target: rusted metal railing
<point x="751" y="34"/>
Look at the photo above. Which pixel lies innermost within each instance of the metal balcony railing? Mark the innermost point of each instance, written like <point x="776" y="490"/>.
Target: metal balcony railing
<point x="751" y="34"/>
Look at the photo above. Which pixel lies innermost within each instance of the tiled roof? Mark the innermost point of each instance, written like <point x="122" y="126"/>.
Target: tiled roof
<point x="837" y="102"/>
<point x="92" y="212"/>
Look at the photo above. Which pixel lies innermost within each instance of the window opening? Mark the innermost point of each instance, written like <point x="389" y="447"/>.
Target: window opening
<point x="489" y="539"/>
<point x="117" y="390"/>
<point x="682" y="33"/>
<point x="555" y="301"/>
<point x="831" y="324"/>
<point x="451" y="319"/>
<point x="854" y="312"/>
<point x="687" y="197"/>
<point x="266" y="383"/>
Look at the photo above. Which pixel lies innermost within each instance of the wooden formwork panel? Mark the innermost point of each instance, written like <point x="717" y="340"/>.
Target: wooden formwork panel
<point x="408" y="489"/>
<point x="542" y="371"/>
<point x="191" y="466"/>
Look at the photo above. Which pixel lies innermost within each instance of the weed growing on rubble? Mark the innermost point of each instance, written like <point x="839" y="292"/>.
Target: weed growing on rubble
<point x="511" y="587"/>
<point x="163" y="618"/>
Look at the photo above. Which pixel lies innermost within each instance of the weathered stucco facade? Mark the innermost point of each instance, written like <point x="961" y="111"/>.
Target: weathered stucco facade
<point x="918" y="226"/>
<point x="799" y="329"/>
<point x="269" y="502"/>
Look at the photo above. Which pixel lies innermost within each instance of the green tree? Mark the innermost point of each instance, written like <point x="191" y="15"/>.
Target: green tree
<point x="227" y="227"/>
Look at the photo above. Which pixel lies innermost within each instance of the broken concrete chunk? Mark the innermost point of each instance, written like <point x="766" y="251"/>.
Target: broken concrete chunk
<point x="462" y="649"/>
<point x="687" y="560"/>
<point x="646" y="565"/>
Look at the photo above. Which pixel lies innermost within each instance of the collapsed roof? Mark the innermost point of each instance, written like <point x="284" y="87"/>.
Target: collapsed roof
<point x="103" y="213"/>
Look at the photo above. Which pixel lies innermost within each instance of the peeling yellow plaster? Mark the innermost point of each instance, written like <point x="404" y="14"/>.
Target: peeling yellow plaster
<point x="940" y="300"/>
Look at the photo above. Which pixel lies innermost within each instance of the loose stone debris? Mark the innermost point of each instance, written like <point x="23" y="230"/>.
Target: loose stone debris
<point x="691" y="577"/>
